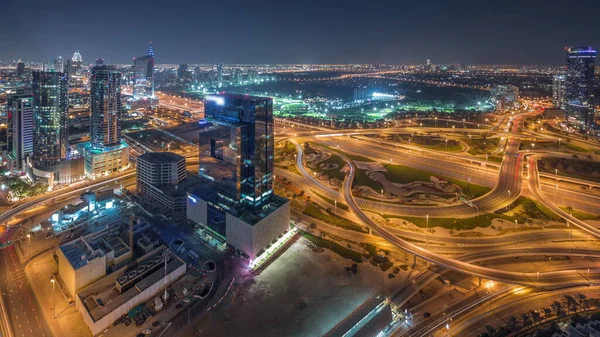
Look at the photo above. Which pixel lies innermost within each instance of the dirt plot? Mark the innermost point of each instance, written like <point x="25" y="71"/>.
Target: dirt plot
<point x="302" y="293"/>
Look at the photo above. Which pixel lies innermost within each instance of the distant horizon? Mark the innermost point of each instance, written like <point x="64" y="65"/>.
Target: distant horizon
<point x="309" y="32"/>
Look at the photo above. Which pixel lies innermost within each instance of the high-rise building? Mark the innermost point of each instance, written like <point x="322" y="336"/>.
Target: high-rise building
<point x="579" y="83"/>
<point x="159" y="175"/>
<point x="143" y="75"/>
<point x="106" y="107"/>
<point x="106" y="152"/>
<point x="220" y="72"/>
<point x="558" y="90"/>
<point x="244" y="156"/>
<point x="99" y="61"/>
<point x="50" y="105"/>
<point x="236" y="163"/>
<point x="58" y="65"/>
<point x="20" y="135"/>
<point x="183" y="72"/>
<point x="51" y="161"/>
<point x="20" y="68"/>
<point x="76" y="64"/>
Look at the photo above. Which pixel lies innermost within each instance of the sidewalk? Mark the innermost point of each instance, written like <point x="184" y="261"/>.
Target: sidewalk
<point x="68" y="321"/>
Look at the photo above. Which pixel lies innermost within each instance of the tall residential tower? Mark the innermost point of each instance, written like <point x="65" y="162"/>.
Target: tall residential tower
<point x="106" y="152"/>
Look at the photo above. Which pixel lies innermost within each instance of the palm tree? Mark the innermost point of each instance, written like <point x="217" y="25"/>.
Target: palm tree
<point x="490" y="330"/>
<point x="557" y="306"/>
<point x="547" y="312"/>
<point x="513" y="323"/>
<point x="571" y="303"/>
<point x="582" y="299"/>
<point x="525" y="318"/>
<point x="535" y="316"/>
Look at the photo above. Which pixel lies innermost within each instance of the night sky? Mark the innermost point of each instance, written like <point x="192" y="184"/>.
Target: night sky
<point x="300" y="31"/>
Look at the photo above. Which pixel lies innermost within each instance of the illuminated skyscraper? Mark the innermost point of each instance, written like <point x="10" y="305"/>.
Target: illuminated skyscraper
<point x="106" y="152"/>
<point x="579" y="83"/>
<point x="220" y="72"/>
<point x="236" y="163"/>
<point x="20" y="129"/>
<point x="20" y="68"/>
<point x="105" y="107"/>
<point x="76" y="64"/>
<point x="143" y="75"/>
<point x="558" y="90"/>
<point x="50" y="105"/>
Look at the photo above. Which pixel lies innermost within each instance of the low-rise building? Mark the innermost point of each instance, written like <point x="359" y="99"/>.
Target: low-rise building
<point x="89" y="258"/>
<point x="162" y="180"/>
<point x="107" y="299"/>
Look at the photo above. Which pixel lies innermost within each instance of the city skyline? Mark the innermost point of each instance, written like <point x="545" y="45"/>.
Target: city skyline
<point x="349" y="32"/>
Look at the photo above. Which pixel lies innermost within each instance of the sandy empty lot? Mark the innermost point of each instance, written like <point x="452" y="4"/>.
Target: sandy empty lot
<point x="303" y="293"/>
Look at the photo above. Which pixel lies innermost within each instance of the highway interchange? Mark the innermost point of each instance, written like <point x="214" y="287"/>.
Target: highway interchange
<point x="517" y="173"/>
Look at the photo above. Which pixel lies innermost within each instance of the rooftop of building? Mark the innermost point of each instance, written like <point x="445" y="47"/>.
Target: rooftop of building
<point x="84" y="249"/>
<point x="78" y="253"/>
<point x="99" y="150"/>
<point x="241" y="96"/>
<point x="161" y="157"/>
<point x="190" y="182"/>
<point x="103" y="297"/>
<point x="207" y="191"/>
<point x="100" y="67"/>
<point x="351" y="321"/>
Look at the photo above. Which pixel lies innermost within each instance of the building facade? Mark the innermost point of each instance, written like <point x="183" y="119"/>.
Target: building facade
<point x="50" y="107"/>
<point x="106" y="107"/>
<point x="143" y="76"/>
<point x="579" y="84"/>
<point x="20" y="135"/>
<point x="558" y="90"/>
<point x="236" y="165"/>
<point x="106" y="152"/>
<point x="160" y="178"/>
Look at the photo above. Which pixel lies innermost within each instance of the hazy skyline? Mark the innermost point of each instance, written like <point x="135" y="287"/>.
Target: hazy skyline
<point x="236" y="31"/>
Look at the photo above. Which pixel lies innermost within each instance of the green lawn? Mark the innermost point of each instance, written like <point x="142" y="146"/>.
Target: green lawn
<point x="477" y="146"/>
<point x="531" y="209"/>
<point x="315" y="211"/>
<point x="335" y="173"/>
<point x="581" y="215"/>
<point x="334" y="247"/>
<point x="404" y="175"/>
<point x="574" y="168"/>
<point x="550" y="146"/>
<point x="340" y="204"/>
<point x="361" y="179"/>
<point x="435" y="143"/>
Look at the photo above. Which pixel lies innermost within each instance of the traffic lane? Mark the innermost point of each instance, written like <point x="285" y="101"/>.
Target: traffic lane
<point x="21" y="304"/>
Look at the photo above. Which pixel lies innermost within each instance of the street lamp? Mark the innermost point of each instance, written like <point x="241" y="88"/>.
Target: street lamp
<point x="559" y="145"/>
<point x="435" y="121"/>
<point x="446" y="147"/>
<point x="29" y="243"/>
<point x="335" y="210"/>
<point x="427" y="222"/>
<point x="53" y="301"/>
<point x="486" y="161"/>
<point x="382" y="194"/>
<point x="516" y="224"/>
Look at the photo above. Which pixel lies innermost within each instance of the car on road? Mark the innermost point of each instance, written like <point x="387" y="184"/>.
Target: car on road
<point x="147" y="331"/>
<point x="179" y="306"/>
<point x="426" y="314"/>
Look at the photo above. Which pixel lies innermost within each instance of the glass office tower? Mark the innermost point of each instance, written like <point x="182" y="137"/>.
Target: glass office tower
<point x="240" y="153"/>
<point x="105" y="106"/>
<point x="50" y="105"/>
<point x="579" y="83"/>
